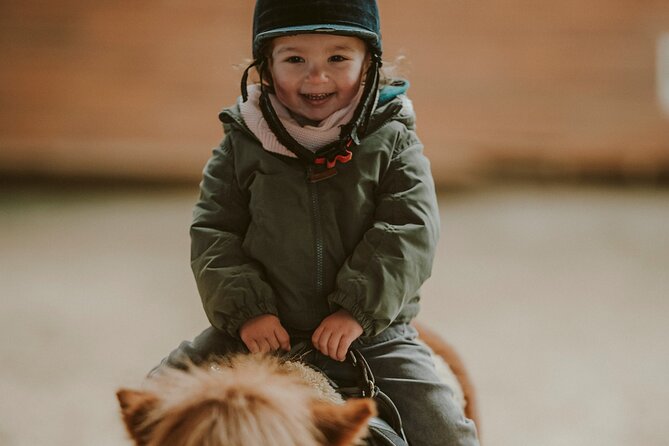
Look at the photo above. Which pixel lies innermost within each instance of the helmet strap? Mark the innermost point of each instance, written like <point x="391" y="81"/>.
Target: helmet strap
<point x="357" y="126"/>
<point x="245" y="78"/>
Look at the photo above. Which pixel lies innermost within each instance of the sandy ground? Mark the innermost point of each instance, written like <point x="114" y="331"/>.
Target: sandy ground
<point x="556" y="297"/>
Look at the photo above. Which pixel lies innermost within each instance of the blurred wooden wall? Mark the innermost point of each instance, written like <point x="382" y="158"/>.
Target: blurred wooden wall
<point x="126" y="89"/>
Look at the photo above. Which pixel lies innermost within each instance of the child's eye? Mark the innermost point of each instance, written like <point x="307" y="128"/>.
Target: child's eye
<point x="294" y="59"/>
<point x="337" y="58"/>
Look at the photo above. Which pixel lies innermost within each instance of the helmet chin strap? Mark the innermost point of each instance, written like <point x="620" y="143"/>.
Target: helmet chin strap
<point x="245" y="78"/>
<point x="322" y="163"/>
<point x="357" y="127"/>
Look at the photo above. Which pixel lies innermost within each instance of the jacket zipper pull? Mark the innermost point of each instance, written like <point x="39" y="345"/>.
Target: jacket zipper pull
<point x="315" y="175"/>
<point x="330" y="165"/>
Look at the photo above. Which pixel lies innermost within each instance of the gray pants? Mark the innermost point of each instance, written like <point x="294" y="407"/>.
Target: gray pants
<point x="403" y="369"/>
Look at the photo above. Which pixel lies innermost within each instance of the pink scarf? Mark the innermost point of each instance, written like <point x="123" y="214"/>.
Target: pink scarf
<point x="311" y="137"/>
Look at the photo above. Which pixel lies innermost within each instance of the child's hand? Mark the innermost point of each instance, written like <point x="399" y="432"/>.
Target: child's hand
<point x="264" y="334"/>
<point x="335" y="334"/>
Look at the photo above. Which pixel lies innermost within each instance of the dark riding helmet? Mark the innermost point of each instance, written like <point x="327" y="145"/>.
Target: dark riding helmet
<point x="357" y="18"/>
<point x="275" y="18"/>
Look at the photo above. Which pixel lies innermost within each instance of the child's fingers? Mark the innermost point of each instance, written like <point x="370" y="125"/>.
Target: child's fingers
<point x="334" y="346"/>
<point x="316" y="337"/>
<point x="252" y="345"/>
<point x="264" y="345"/>
<point x="273" y="343"/>
<point x="342" y="348"/>
<point x="283" y="338"/>
<point x="322" y="344"/>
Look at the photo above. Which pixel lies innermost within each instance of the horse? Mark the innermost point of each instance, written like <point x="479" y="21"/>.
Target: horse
<point x="255" y="399"/>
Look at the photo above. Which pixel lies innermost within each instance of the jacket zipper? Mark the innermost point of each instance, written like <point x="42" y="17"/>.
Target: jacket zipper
<point x="318" y="239"/>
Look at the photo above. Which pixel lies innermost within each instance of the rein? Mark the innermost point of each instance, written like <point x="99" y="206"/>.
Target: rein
<point x="385" y="429"/>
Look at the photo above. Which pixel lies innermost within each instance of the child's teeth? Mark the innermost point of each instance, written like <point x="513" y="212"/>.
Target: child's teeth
<point x="317" y="96"/>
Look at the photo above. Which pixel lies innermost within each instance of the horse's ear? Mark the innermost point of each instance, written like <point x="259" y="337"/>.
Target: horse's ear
<point x="135" y="408"/>
<point x="343" y="424"/>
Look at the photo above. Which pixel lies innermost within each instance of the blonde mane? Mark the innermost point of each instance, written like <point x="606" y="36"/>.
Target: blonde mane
<point x="239" y="401"/>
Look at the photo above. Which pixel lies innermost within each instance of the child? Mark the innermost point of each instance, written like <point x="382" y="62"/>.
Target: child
<point x="317" y="217"/>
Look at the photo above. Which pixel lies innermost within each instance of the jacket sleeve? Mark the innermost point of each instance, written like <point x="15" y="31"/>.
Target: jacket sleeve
<point x="394" y="257"/>
<point x="232" y="285"/>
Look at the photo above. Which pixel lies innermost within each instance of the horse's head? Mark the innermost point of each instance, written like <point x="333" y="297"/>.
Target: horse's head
<point x="247" y="400"/>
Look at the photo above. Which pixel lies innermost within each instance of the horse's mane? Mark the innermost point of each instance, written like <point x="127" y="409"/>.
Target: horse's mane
<point x="227" y="400"/>
<point x="242" y="400"/>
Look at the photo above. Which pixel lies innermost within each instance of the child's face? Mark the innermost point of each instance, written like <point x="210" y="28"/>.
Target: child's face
<point x="315" y="75"/>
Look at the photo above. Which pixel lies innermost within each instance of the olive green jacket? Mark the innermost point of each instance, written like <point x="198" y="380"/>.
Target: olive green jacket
<point x="266" y="240"/>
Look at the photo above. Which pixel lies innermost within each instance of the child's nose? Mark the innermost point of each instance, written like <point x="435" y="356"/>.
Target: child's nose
<point x="317" y="73"/>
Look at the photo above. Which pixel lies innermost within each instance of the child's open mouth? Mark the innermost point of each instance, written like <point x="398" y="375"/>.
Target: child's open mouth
<point x="316" y="98"/>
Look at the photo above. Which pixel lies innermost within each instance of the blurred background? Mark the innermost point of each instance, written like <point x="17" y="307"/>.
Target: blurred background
<point x="547" y="124"/>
